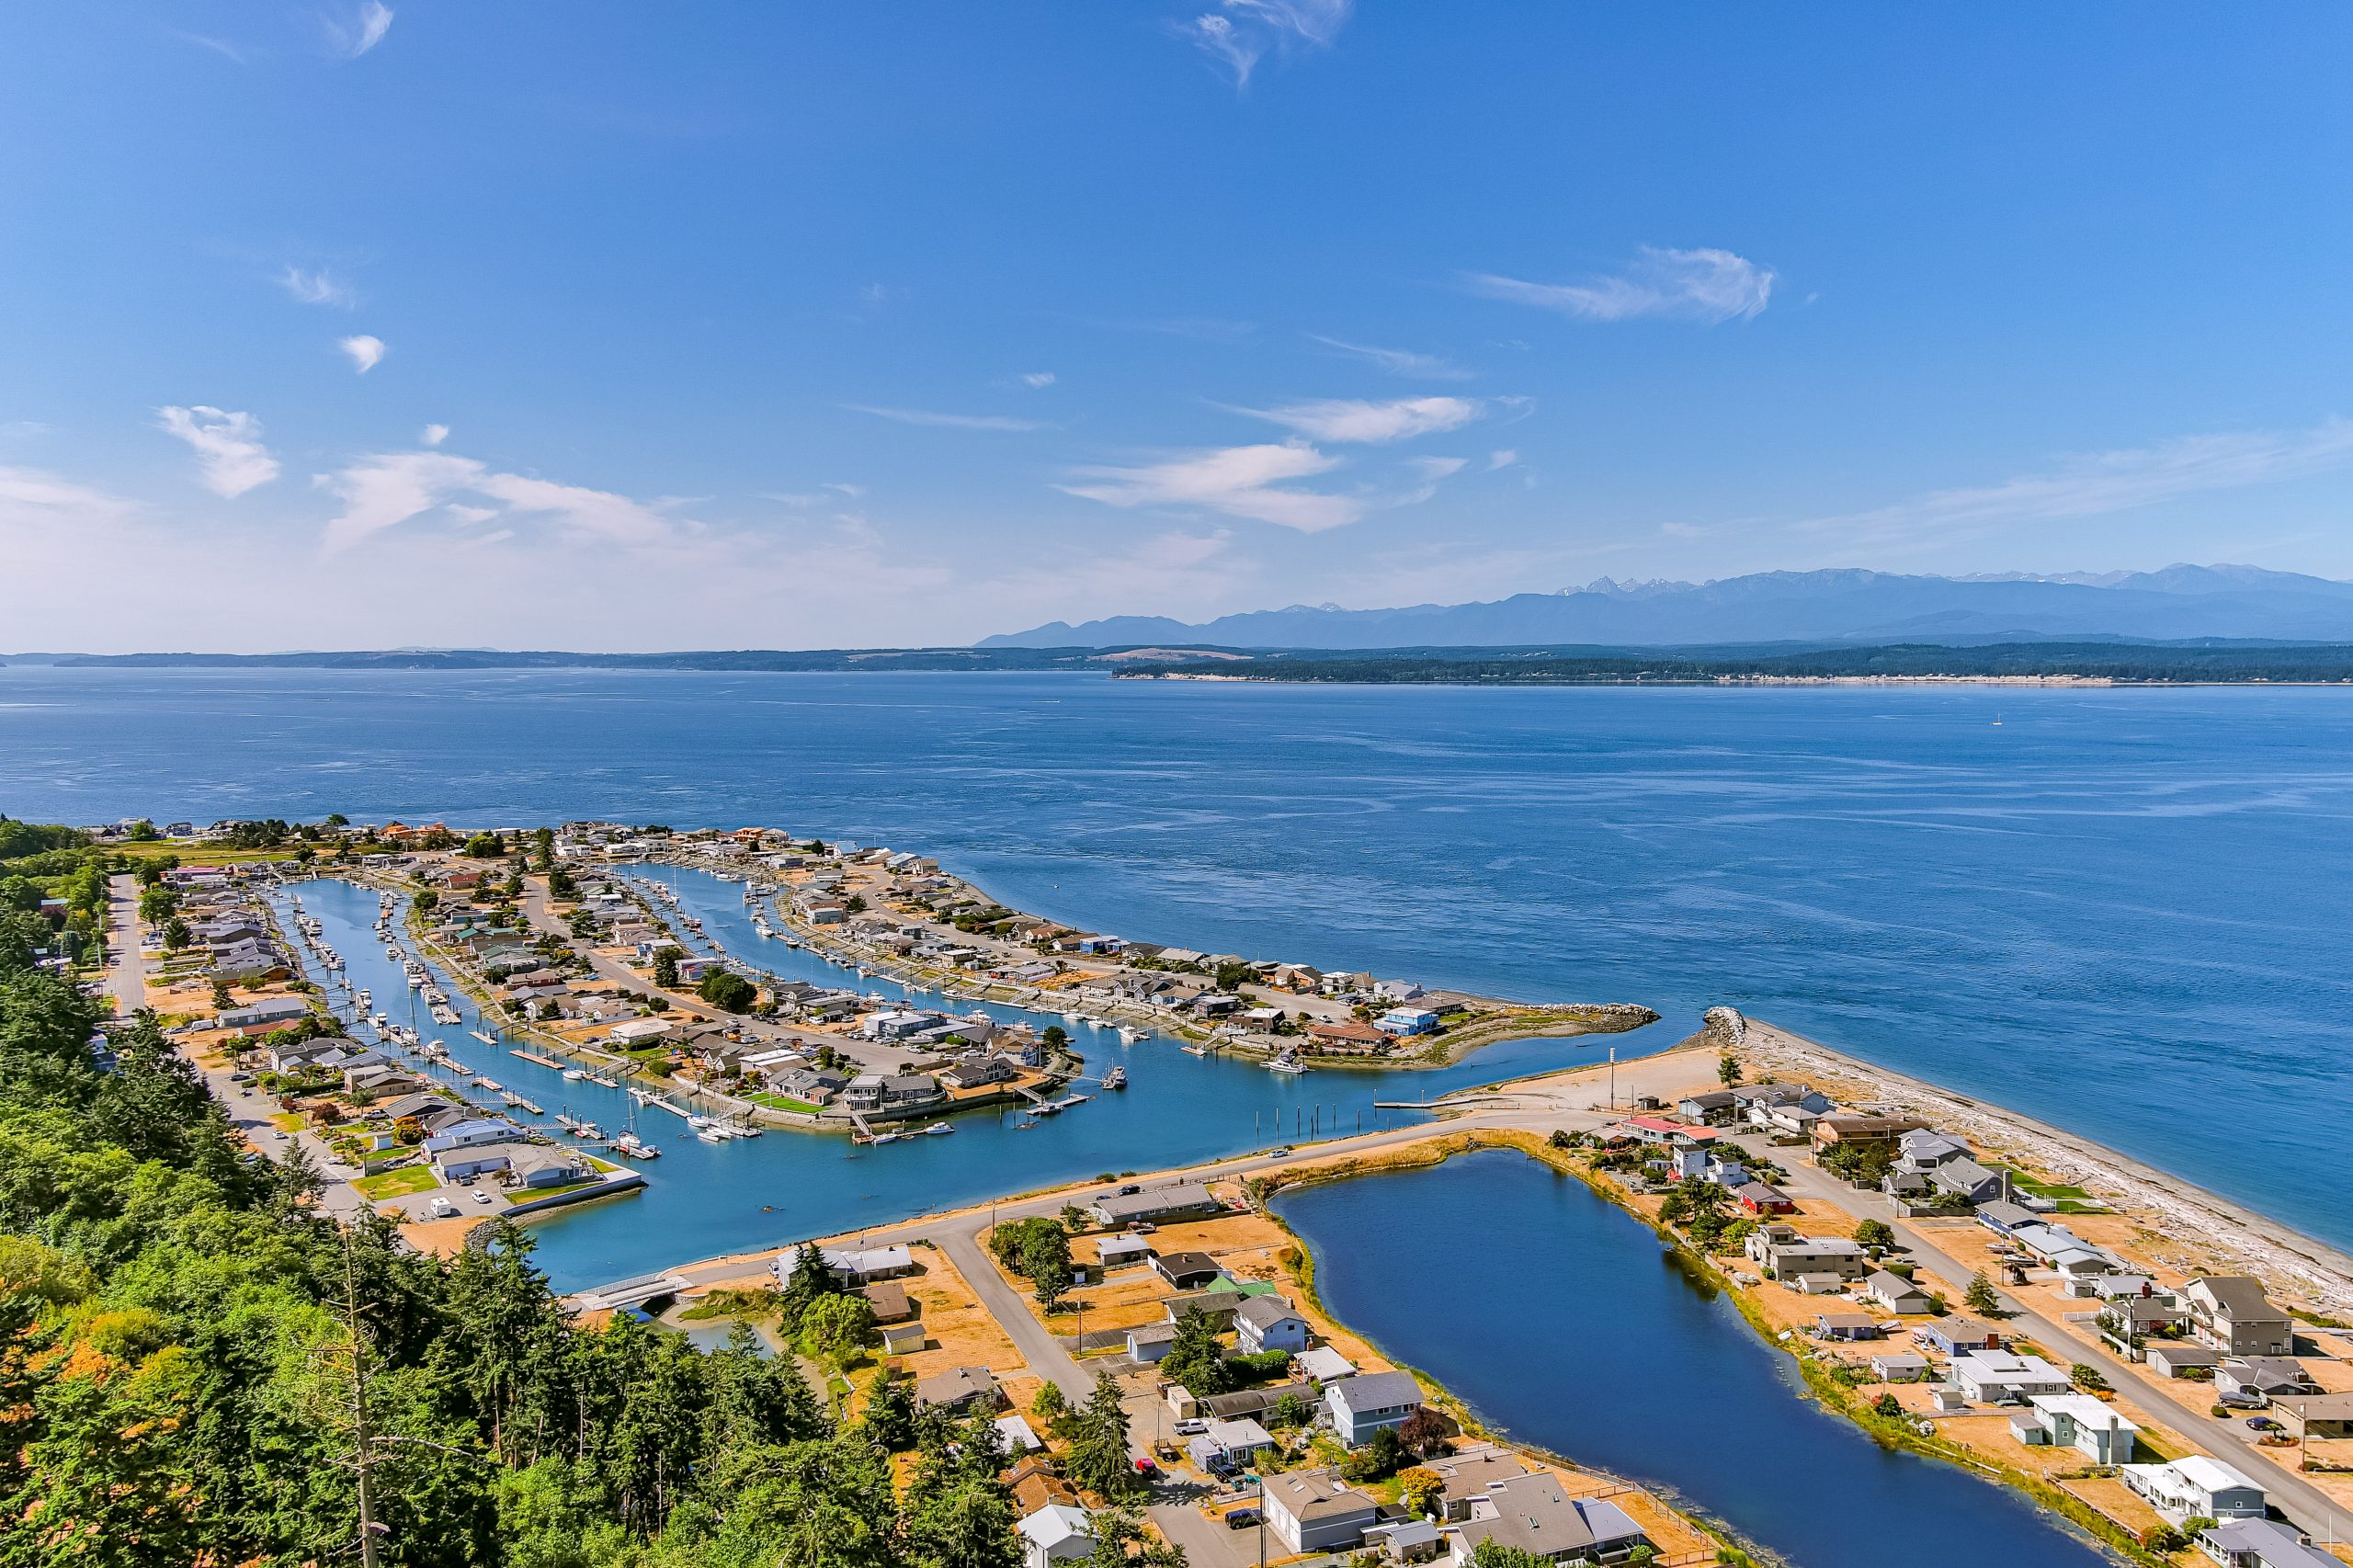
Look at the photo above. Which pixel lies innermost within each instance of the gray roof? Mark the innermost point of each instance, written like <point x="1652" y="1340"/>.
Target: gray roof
<point x="1267" y="1311"/>
<point x="1307" y="1495"/>
<point x="1378" y="1390"/>
<point x="2269" y="1542"/>
<point x="2239" y="1296"/>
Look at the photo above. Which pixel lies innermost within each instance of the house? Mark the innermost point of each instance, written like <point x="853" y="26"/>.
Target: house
<point x="1532" y="1513"/>
<point x="889" y="1300"/>
<point x="2172" y="1358"/>
<point x="1717" y="1107"/>
<point x="1845" y="1325"/>
<point x="530" y="1166"/>
<point x="1150" y="1341"/>
<point x="475" y="1159"/>
<point x="1996" y="1377"/>
<point x="1956" y="1336"/>
<point x="1185" y="1270"/>
<point x="852" y="1266"/>
<point x="2196" y="1487"/>
<point x="1798" y="1261"/>
<point x="1406" y="1021"/>
<point x="2308" y="1416"/>
<point x="2262" y="1544"/>
<point x="1347" y="1035"/>
<point x="1762" y="1197"/>
<point x="1896" y="1293"/>
<point x="1268" y="1323"/>
<point x="2231" y="1313"/>
<point x="1899" y="1367"/>
<point x="1324" y="1366"/>
<point x="960" y="1388"/>
<point x="1467" y="1473"/>
<point x="1057" y="1533"/>
<point x="2079" y="1421"/>
<point x="2255" y="1382"/>
<point x="1159" y="1205"/>
<point x="466" y="1134"/>
<point x="1861" y="1131"/>
<point x="1657" y="1129"/>
<point x="1788" y="1110"/>
<point x="1406" y="1540"/>
<point x="890" y="1092"/>
<point x="638" y="1032"/>
<point x="1314" y="1510"/>
<point x="1361" y="1405"/>
<point x="1229" y="1445"/>
<point x="2002" y="1217"/>
<point x="270" y="1011"/>
<point x="1016" y="1436"/>
<point x="1114" y="1251"/>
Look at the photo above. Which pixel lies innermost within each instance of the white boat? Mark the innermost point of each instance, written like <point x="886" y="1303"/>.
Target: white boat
<point x="1117" y="1078"/>
<point x="937" y="1129"/>
<point x="1129" y="1036"/>
<point x="1287" y="1064"/>
<point x="574" y="1075"/>
<point x="1074" y="1018"/>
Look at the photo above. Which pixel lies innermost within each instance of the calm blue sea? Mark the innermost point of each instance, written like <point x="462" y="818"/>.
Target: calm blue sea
<point x="2123" y="911"/>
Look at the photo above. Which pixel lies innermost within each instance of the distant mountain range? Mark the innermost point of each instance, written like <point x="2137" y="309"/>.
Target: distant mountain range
<point x="2179" y="603"/>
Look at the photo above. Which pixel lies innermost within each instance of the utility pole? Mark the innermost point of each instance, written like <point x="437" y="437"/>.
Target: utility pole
<point x="363" y="1439"/>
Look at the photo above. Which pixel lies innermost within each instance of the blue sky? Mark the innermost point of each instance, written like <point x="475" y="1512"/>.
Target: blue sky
<point x="637" y="326"/>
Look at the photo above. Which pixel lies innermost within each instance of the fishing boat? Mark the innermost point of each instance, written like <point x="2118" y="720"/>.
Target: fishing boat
<point x="1287" y="1064"/>
<point x="1117" y="1078"/>
<point x="1129" y="1036"/>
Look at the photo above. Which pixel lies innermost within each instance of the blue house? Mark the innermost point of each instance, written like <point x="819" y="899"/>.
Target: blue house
<point x="1406" y="1020"/>
<point x="1362" y="1405"/>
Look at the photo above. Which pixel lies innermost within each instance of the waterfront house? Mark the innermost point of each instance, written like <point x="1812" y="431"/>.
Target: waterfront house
<point x="1218" y="1306"/>
<point x="2262" y="1544"/>
<point x="1845" y="1325"/>
<point x="1997" y="1377"/>
<point x="1314" y="1510"/>
<point x="2305" y="1416"/>
<point x="1157" y="1206"/>
<point x="1867" y="1132"/>
<point x="271" y="1011"/>
<point x="1786" y="1110"/>
<point x="2195" y="1486"/>
<point x="1406" y="1021"/>
<point x="1268" y="1323"/>
<point x="1059" y="1532"/>
<point x="960" y="1388"/>
<point x="1805" y="1263"/>
<point x="1659" y="1131"/>
<point x="1763" y="1198"/>
<point x="1185" y="1270"/>
<point x="2172" y="1358"/>
<point x="1468" y="1473"/>
<point x="1530" y="1513"/>
<point x="1347" y="1036"/>
<point x="1896" y="1293"/>
<point x="1958" y="1336"/>
<point x="2231" y="1313"/>
<point x="893" y="1093"/>
<point x="2077" y="1420"/>
<point x="1361" y="1405"/>
<point x="1323" y="1366"/>
<point x="1899" y="1367"/>
<point x="2257" y="1380"/>
<point x="466" y="1134"/>
<point x="853" y="1265"/>
<point x="1717" y="1107"/>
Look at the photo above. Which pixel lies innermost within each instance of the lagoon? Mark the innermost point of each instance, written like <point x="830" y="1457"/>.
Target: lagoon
<point x="1561" y="1321"/>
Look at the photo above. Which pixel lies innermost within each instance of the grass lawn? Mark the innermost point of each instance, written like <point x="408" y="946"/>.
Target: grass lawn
<point x="781" y="1102"/>
<point x="399" y="1183"/>
<point x="288" y="1121"/>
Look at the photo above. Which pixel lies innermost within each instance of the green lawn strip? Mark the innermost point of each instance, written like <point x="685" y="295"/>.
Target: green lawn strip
<point x="781" y="1102"/>
<point x="399" y="1183"/>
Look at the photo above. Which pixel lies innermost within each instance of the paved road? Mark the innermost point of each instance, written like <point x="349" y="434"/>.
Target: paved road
<point x="127" y="979"/>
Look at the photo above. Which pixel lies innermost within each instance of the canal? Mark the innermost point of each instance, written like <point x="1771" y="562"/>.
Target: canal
<point x="1561" y="1320"/>
<point x="704" y="1200"/>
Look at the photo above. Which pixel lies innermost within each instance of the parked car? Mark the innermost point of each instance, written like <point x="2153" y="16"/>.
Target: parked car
<point x="2264" y="1424"/>
<point x="1130" y="1190"/>
<point x="481" y="1197"/>
<point x="1192" y="1428"/>
<point x="1241" y="1518"/>
<point x="1146" y="1467"/>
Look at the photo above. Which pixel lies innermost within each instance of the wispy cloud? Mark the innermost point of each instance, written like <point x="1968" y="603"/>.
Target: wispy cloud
<point x="319" y="287"/>
<point x="384" y="490"/>
<point x="1344" y="420"/>
<point x="845" y="488"/>
<point x="220" y="46"/>
<point x="1241" y="482"/>
<point x="1037" y="377"/>
<point x="30" y="495"/>
<point x="949" y="421"/>
<point x="362" y="30"/>
<point x="366" y="352"/>
<point x="1242" y="32"/>
<point x="1396" y="361"/>
<point x="1692" y="285"/>
<point x="434" y="435"/>
<point x="1502" y="457"/>
<point x="230" y="455"/>
<point x="2102" y="482"/>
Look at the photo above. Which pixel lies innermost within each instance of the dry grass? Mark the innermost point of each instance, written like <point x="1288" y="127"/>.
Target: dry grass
<point x="959" y="1331"/>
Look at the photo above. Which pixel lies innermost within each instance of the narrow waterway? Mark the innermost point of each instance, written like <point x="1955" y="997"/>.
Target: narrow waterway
<point x="703" y="1199"/>
<point x="1561" y="1320"/>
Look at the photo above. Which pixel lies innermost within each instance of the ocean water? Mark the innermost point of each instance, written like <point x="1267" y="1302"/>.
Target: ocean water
<point x="2122" y="911"/>
<point x="1597" y="1344"/>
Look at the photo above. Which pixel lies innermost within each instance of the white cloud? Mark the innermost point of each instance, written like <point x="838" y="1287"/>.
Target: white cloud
<point x="1502" y="457"/>
<point x="1240" y="34"/>
<point x="1396" y="361"/>
<point x="362" y="31"/>
<point x="1344" y="420"/>
<point x="384" y="490"/>
<point x="30" y="495"/>
<point x="1692" y="285"/>
<point x="1241" y="482"/>
<point x="852" y="491"/>
<point x="434" y="435"/>
<point x="366" y="352"/>
<point x="2102" y="482"/>
<point x="318" y="287"/>
<point x="230" y="456"/>
<point x="1037" y="377"/>
<point x="949" y="421"/>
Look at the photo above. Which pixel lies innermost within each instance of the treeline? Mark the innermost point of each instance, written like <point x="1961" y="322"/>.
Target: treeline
<point x="2134" y="663"/>
<point x="195" y="1368"/>
<point x="866" y="659"/>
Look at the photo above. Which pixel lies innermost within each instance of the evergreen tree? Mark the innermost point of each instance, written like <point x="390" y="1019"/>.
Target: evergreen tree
<point x="1098" y="1460"/>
